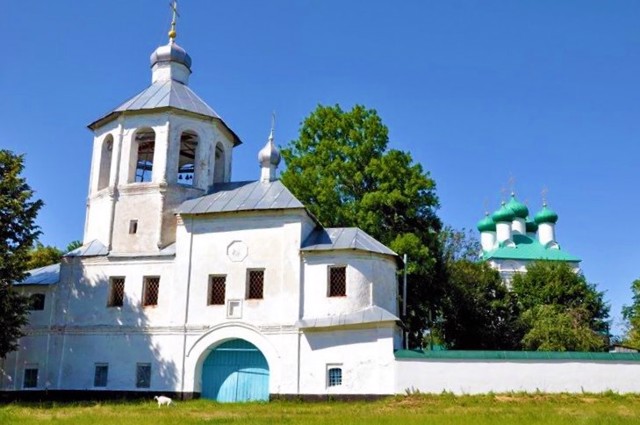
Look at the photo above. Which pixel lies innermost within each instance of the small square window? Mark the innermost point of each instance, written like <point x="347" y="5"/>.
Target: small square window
<point x="116" y="292"/>
<point x="101" y="374"/>
<point x="334" y="376"/>
<point x="337" y="281"/>
<point x="255" y="284"/>
<point x="150" y="291"/>
<point x="36" y="302"/>
<point x="217" y="289"/>
<point x="133" y="227"/>
<point x="30" y="377"/>
<point x="143" y="375"/>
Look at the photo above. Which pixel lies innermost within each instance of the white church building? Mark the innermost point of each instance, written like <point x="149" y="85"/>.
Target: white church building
<point x="191" y="285"/>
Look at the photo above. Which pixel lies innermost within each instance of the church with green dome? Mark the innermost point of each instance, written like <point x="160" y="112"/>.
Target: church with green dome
<point x="511" y="239"/>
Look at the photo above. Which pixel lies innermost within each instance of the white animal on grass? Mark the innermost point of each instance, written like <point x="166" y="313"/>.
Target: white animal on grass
<point x="163" y="400"/>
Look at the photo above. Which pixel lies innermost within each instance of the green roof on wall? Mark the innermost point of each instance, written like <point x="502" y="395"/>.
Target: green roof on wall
<point x="515" y="355"/>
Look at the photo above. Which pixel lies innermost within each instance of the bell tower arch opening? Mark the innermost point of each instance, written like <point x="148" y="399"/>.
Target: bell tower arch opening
<point x="143" y="150"/>
<point x="220" y="164"/>
<point x="187" y="159"/>
<point x="104" y="171"/>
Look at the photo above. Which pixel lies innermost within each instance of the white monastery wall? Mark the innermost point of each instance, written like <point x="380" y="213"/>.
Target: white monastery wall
<point x="483" y="376"/>
<point x="371" y="280"/>
<point x="365" y="356"/>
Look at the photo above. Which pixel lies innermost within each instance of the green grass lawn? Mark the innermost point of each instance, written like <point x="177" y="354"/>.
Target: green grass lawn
<point x="415" y="409"/>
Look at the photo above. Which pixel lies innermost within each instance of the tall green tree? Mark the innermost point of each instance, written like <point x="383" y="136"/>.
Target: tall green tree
<point x="479" y="312"/>
<point x="631" y="315"/>
<point x="562" y="311"/>
<point x="340" y="166"/>
<point x="43" y="255"/>
<point x="18" y="232"/>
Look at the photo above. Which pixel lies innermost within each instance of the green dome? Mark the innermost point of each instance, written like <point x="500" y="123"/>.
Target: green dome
<point x="518" y="208"/>
<point x="504" y="214"/>
<point x="531" y="226"/>
<point x="546" y="215"/>
<point x="486" y="224"/>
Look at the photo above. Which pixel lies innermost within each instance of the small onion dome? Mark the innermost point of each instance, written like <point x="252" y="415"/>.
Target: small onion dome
<point x="486" y="224"/>
<point x="269" y="155"/>
<point x="171" y="53"/>
<point x="504" y="214"/>
<point x="518" y="208"/>
<point x="546" y="215"/>
<point x="531" y="226"/>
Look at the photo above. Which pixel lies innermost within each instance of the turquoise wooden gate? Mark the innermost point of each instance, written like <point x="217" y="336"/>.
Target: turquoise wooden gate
<point x="235" y="371"/>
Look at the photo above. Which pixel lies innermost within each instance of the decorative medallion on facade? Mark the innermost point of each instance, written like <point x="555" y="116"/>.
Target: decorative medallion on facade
<point x="237" y="251"/>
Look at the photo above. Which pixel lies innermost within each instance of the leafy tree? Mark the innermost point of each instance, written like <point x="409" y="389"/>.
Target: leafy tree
<point x="42" y="255"/>
<point x="18" y="232"/>
<point x="479" y="312"/>
<point x="560" y="308"/>
<point x="631" y="314"/>
<point x="73" y="245"/>
<point x="555" y="328"/>
<point x="459" y="245"/>
<point x="341" y="168"/>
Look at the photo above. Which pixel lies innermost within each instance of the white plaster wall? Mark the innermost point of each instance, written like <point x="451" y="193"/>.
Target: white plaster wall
<point x="488" y="240"/>
<point x="365" y="356"/>
<point x="84" y="289"/>
<point x="31" y="352"/>
<point x="371" y="280"/>
<point x="518" y="226"/>
<point x="474" y="377"/>
<point x="503" y="232"/>
<point x="546" y="233"/>
<point x="272" y="242"/>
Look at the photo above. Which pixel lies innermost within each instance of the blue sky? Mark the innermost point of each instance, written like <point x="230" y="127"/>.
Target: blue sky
<point x="545" y="91"/>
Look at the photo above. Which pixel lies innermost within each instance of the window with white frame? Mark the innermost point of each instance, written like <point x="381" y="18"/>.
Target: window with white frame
<point x="101" y="374"/>
<point x="143" y="375"/>
<point x="334" y="375"/>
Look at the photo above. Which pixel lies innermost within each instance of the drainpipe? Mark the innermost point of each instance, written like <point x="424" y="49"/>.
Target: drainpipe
<point x="404" y="302"/>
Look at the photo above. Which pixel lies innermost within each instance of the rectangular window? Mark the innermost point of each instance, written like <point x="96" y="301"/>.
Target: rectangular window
<point x="143" y="375"/>
<point x="150" y="291"/>
<point x="217" y="289"/>
<point x="30" y="377"/>
<point x="100" y="377"/>
<point x="36" y="302"/>
<point x="334" y="376"/>
<point x="255" y="284"/>
<point x="133" y="227"/>
<point x="337" y="281"/>
<point x="116" y="292"/>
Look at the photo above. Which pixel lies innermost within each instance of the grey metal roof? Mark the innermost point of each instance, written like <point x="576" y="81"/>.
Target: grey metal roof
<point x="242" y="196"/>
<point x="94" y="248"/>
<point x="373" y="314"/>
<point x="167" y="94"/>
<point x="341" y="238"/>
<point x="47" y="275"/>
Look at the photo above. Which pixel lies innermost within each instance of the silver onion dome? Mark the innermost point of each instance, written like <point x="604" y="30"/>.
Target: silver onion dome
<point x="269" y="155"/>
<point x="171" y="52"/>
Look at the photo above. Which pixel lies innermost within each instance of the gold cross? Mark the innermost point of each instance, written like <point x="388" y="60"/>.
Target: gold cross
<point x="174" y="8"/>
<point x="544" y="196"/>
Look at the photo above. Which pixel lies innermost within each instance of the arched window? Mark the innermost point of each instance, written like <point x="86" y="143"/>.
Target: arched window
<point x="105" y="162"/>
<point x="145" y="143"/>
<point x="187" y="158"/>
<point x="219" y="173"/>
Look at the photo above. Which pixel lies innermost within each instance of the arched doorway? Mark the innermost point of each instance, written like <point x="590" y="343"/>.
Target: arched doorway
<point x="235" y="371"/>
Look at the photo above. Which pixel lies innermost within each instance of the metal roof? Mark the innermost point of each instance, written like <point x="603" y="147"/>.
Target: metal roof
<point x="47" y="275"/>
<point x="94" y="248"/>
<point x="342" y="238"/>
<point x="527" y="248"/>
<point x="372" y="314"/>
<point x="242" y="196"/>
<point x="515" y="355"/>
<point x="167" y="94"/>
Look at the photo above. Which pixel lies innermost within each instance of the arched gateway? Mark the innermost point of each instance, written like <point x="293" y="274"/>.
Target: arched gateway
<point x="235" y="371"/>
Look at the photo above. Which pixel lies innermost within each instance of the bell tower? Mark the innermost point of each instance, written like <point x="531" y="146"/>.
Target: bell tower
<point x="161" y="147"/>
